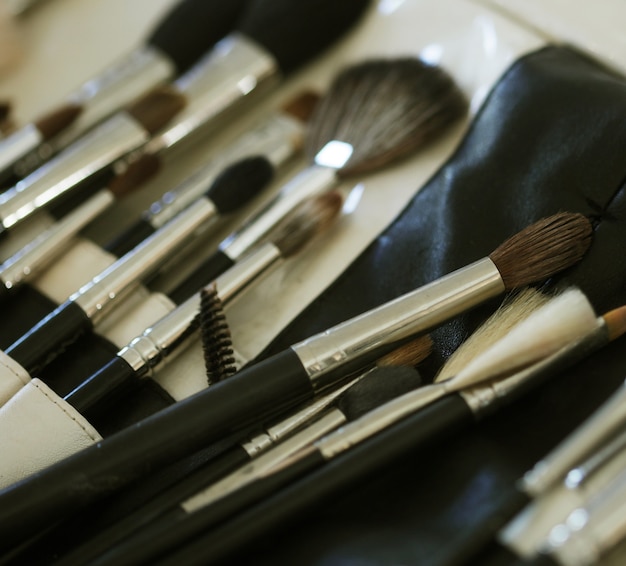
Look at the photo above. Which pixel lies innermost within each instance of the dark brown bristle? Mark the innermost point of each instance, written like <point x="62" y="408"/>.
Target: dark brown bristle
<point x="135" y="175"/>
<point x="157" y="107"/>
<point x="409" y="354"/>
<point x="543" y="249"/>
<point x="216" y="341"/>
<point x="385" y="109"/>
<point x="306" y="221"/>
<point x="302" y="106"/>
<point x="54" y="122"/>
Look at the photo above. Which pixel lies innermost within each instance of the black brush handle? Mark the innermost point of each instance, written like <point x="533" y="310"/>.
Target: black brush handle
<point x="206" y="272"/>
<point x="257" y="393"/>
<point x="539" y="560"/>
<point x="97" y="392"/>
<point x="50" y="337"/>
<point x="159" y="506"/>
<point x="443" y="417"/>
<point x="5" y="294"/>
<point x="123" y="243"/>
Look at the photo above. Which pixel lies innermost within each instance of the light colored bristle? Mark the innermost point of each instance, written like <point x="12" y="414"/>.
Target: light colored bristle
<point x="385" y="109"/>
<point x="302" y="106"/>
<point x="561" y="321"/>
<point x="309" y="219"/>
<point x="156" y="108"/>
<point x="54" y="122"/>
<point x="409" y="354"/>
<point x="543" y="249"/>
<point x="135" y="175"/>
<point x="615" y="321"/>
<point x="513" y="310"/>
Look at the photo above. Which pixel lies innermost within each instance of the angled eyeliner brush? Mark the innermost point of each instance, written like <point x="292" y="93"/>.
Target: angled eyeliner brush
<point x="278" y="138"/>
<point x="92" y="302"/>
<point x="181" y="36"/>
<point x="276" y="384"/>
<point x="168" y="500"/>
<point x="373" y="114"/>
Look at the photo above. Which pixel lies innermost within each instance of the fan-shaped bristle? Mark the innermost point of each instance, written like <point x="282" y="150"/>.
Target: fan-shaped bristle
<point x="543" y="249"/>
<point x="385" y="109"/>
<point x="306" y="221"/>
<point x="217" y="346"/>
<point x="54" y="122"/>
<point x="136" y="174"/>
<point x="295" y="32"/>
<point x="156" y="108"/>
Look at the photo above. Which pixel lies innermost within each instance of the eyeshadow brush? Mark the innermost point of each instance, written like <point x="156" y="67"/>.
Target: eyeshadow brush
<point x="373" y="114"/>
<point x="280" y="382"/>
<point x="259" y="442"/>
<point x="182" y="35"/>
<point x="92" y="302"/>
<point x="278" y="138"/>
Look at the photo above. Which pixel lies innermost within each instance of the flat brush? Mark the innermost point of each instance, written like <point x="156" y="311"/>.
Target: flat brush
<point x="373" y="114"/>
<point x="146" y="354"/>
<point x="278" y="138"/>
<point x="282" y="381"/>
<point x="182" y="35"/>
<point x="169" y="500"/>
<point x="92" y="302"/>
<point x="402" y="425"/>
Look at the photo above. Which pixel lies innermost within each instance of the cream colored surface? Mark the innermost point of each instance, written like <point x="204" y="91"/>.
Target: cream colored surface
<point x="38" y="428"/>
<point x="12" y="377"/>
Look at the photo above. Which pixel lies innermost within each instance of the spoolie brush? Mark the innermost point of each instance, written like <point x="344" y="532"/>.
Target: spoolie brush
<point x="374" y="113"/>
<point x="277" y="383"/>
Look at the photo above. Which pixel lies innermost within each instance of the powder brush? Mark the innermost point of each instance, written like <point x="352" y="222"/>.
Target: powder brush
<point x="167" y="499"/>
<point x="181" y="36"/>
<point x="282" y="381"/>
<point x="373" y="114"/>
<point x="92" y="302"/>
<point x="278" y="138"/>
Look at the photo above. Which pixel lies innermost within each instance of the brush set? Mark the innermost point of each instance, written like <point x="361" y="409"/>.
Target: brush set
<point x="228" y="321"/>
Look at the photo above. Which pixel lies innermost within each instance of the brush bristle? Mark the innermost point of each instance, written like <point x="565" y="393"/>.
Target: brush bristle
<point x="543" y="249"/>
<point x="380" y="385"/>
<point x="309" y="219"/>
<point x="136" y="174"/>
<point x="156" y="108"/>
<point x="54" y="122"/>
<point x="615" y="321"/>
<point x="385" y="109"/>
<point x="239" y="183"/>
<point x="295" y="32"/>
<point x="409" y="354"/>
<point x="302" y="106"/>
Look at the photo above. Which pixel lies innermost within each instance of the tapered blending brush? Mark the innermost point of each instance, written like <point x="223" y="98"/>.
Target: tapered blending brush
<point x="92" y="302"/>
<point x="278" y="383"/>
<point x="146" y="354"/>
<point x="278" y="137"/>
<point x="182" y="35"/>
<point x="260" y="442"/>
<point x="373" y="114"/>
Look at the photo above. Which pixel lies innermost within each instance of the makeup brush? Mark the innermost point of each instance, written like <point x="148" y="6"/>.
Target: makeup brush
<point x="272" y="386"/>
<point x="373" y="114"/>
<point x="92" y="302"/>
<point x="146" y="354"/>
<point x="278" y="138"/>
<point x="181" y="36"/>
<point x="402" y="425"/>
<point x="168" y="500"/>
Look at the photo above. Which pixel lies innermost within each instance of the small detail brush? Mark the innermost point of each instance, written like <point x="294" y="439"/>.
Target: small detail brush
<point x="278" y="138"/>
<point x="373" y="114"/>
<point x="182" y="35"/>
<point x="282" y="381"/>
<point x="85" y="308"/>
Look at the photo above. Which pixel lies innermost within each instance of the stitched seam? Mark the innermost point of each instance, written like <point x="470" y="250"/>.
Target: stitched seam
<point x="20" y="378"/>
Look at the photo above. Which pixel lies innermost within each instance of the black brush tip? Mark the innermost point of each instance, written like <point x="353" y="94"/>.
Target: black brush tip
<point x="295" y="32"/>
<point x="191" y="28"/>
<point x="376" y="388"/>
<point x="240" y="182"/>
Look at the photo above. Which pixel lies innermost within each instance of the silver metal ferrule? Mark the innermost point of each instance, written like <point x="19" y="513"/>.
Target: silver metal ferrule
<point x="309" y="183"/>
<point x="148" y="353"/>
<point x="111" y="285"/>
<point x="232" y="72"/>
<point x="278" y="138"/>
<point x="116" y="137"/>
<point x="32" y="258"/>
<point x="266" y="463"/>
<point x="415" y="312"/>
<point x="19" y="143"/>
